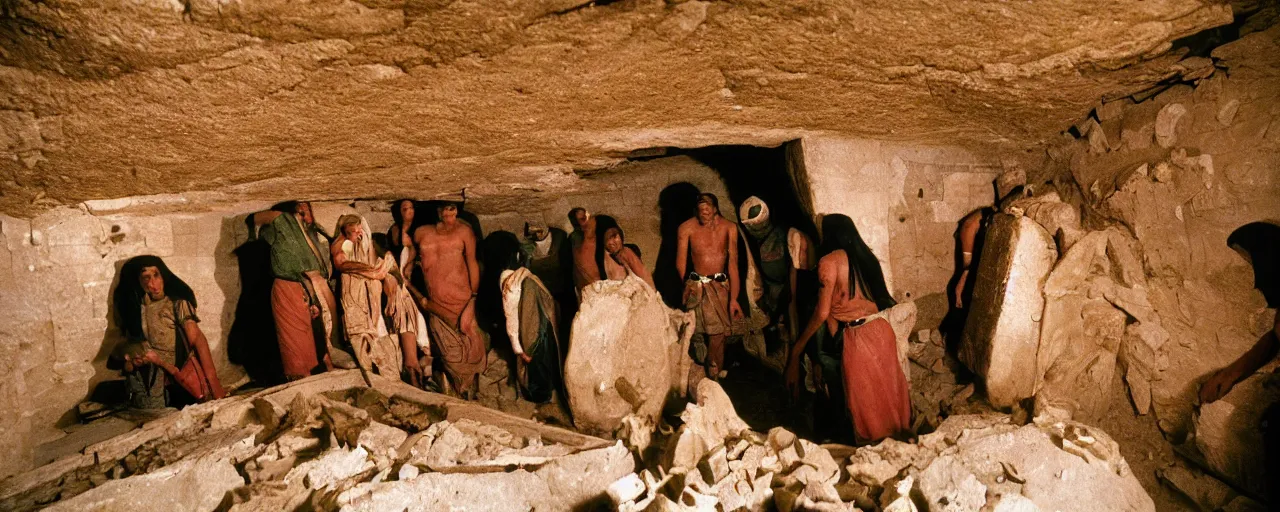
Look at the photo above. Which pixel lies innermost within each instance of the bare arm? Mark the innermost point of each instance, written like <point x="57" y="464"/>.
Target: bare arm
<point x="629" y="259"/>
<point x="1262" y="352"/>
<point x="826" y="288"/>
<point x="682" y="251"/>
<point x="264" y="217"/>
<point x="473" y="268"/>
<point x="196" y="337"/>
<point x="966" y="239"/>
<point x="734" y="282"/>
<point x="346" y="266"/>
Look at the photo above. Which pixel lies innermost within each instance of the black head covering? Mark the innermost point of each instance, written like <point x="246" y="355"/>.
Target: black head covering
<point x="603" y="224"/>
<point x="839" y="233"/>
<point x="129" y="293"/>
<point x="1262" y="241"/>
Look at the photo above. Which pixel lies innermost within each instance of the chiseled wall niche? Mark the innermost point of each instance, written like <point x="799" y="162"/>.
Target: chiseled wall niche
<point x="906" y="201"/>
<point x="57" y="273"/>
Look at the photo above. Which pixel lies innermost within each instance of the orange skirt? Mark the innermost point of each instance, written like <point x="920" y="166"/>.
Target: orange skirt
<point x="293" y="328"/>
<point x="875" y="388"/>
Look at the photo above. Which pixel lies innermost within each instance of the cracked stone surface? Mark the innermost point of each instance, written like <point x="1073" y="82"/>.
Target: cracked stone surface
<point x="267" y="100"/>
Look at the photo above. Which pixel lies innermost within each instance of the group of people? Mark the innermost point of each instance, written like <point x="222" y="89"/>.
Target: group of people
<point x="409" y="310"/>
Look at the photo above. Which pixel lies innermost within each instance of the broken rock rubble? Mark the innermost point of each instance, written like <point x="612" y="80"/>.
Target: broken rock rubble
<point x="970" y="463"/>
<point x="328" y="443"/>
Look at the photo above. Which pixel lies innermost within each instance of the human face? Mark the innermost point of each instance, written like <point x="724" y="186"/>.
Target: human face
<point x="448" y="213"/>
<point x="581" y="216"/>
<point x="406" y="212"/>
<point x="706" y="212"/>
<point x="353" y="231"/>
<point x="535" y="233"/>
<point x="613" y="240"/>
<point x="152" y="282"/>
<point x="304" y="212"/>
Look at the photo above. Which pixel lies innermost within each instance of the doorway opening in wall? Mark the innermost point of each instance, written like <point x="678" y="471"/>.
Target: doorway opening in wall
<point x="756" y="187"/>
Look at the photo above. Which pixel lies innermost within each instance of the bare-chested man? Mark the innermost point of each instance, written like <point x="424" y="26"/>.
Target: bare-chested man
<point x="713" y="242"/>
<point x="583" y="244"/>
<point x="447" y="253"/>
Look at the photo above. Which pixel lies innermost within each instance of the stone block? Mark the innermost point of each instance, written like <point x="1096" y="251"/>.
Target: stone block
<point x="78" y="339"/>
<point x="69" y="227"/>
<point x="1003" y="328"/>
<point x="1167" y="124"/>
<point x="75" y="255"/>
<point x="649" y="335"/>
<point x="1227" y="436"/>
<point x="192" y="484"/>
<point x="948" y="486"/>
<point x="1085" y="335"/>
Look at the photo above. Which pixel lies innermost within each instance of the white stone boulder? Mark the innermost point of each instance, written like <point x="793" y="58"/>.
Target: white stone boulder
<point x="627" y="353"/>
<point x="1002" y="332"/>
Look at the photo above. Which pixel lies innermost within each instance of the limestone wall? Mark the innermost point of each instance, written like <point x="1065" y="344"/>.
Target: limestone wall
<point x="1182" y="170"/>
<point x="628" y="192"/>
<point x="57" y="272"/>
<point x="906" y="201"/>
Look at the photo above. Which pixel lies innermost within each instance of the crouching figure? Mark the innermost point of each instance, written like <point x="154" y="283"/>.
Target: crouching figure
<point x="166" y="356"/>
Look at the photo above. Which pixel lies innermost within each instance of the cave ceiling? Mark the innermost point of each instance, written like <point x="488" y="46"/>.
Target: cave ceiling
<point x="262" y="100"/>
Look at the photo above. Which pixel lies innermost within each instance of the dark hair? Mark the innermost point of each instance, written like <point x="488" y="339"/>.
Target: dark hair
<point x="129" y="293"/>
<point x="573" y="218"/>
<point x="396" y="217"/>
<point x="286" y="207"/>
<point x="1262" y="241"/>
<point x="711" y="198"/>
<point x="603" y="223"/>
<point x="839" y="233"/>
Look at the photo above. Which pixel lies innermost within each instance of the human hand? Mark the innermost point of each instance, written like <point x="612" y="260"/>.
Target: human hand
<point x="792" y="378"/>
<point x="414" y="371"/>
<point x="1218" y="385"/>
<point x="526" y="358"/>
<point x="735" y="310"/>
<point x="315" y="311"/>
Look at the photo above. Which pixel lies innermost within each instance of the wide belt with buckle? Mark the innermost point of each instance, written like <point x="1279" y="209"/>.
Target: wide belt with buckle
<point x="718" y="277"/>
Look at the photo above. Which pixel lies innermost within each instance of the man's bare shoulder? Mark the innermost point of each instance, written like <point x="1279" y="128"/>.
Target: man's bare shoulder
<point x="727" y="228"/>
<point x="688" y="225"/>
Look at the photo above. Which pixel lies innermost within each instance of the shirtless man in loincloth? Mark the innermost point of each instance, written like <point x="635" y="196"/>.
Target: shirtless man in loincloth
<point x="713" y="242"/>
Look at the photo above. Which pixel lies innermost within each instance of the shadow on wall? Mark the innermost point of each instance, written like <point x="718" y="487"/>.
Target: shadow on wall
<point x="676" y="204"/>
<point x="252" y="341"/>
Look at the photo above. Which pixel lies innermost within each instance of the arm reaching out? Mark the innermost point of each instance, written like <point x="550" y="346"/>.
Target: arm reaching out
<point x="826" y="289"/>
<point x="1221" y="382"/>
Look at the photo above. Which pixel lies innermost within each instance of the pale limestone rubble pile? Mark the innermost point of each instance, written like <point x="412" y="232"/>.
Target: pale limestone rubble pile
<point x="971" y="463"/>
<point x="1073" y="301"/>
<point x="330" y="443"/>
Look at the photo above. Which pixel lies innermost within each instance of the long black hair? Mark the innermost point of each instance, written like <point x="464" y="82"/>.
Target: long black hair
<point x="603" y="224"/>
<point x="129" y="293"/>
<point x="839" y="233"/>
<point x="1262" y="241"/>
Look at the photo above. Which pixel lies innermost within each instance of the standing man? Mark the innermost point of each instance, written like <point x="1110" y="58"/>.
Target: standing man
<point x="447" y="253"/>
<point x="543" y="249"/>
<point x="300" y="292"/>
<point x="712" y="242"/>
<point x="583" y="243"/>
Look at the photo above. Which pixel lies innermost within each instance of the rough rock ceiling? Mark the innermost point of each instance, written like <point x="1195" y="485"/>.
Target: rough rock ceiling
<point x="230" y="100"/>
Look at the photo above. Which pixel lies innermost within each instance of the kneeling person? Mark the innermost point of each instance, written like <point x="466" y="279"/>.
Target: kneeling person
<point x="157" y="312"/>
